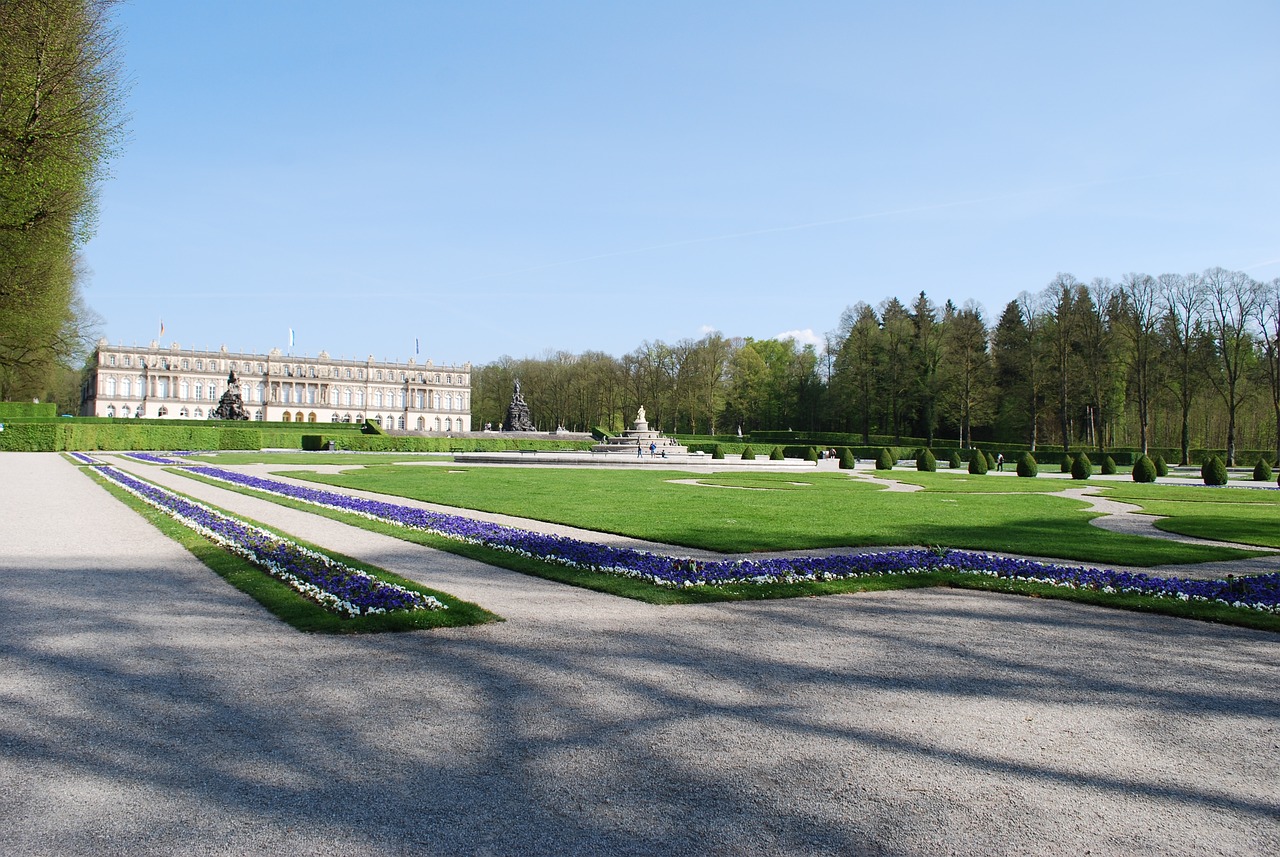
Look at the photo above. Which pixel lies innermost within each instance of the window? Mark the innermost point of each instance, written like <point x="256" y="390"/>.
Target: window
<point x="360" y="374"/>
<point x="311" y="417"/>
<point x="348" y="375"/>
<point x="422" y="424"/>
<point x="186" y="364"/>
<point x="257" y="415"/>
<point x="199" y="390"/>
<point x="184" y="413"/>
<point x="437" y="424"/>
<point x="379" y="375"/>
<point x="448" y="424"/>
<point x="417" y="401"/>
<point x="111" y="360"/>
<point x="346" y="397"/>
<point x="111" y="387"/>
<point x="111" y="410"/>
<point x="346" y="418"/>
<point x="297" y="418"/>
<point x="359" y="398"/>
<point x="234" y="366"/>
<point x="184" y="389"/>
<point x="311" y="373"/>
<point x="400" y="422"/>
<point x="311" y="395"/>
<point x="448" y="379"/>
<point x="128" y="361"/>
<point x="377" y="398"/>
<point x="213" y="393"/>
<point x="126" y="388"/>
<point x="200" y="365"/>
<point x="448" y="401"/>
<point x="400" y="399"/>
<point x="199" y="413"/>
<point x="286" y="417"/>
<point x="333" y="418"/>
<point x="260" y="369"/>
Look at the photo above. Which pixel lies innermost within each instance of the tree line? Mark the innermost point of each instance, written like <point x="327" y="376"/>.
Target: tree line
<point x="60" y="121"/>
<point x="1175" y="361"/>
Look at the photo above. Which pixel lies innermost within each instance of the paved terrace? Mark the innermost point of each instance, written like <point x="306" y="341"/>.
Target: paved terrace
<point x="148" y="708"/>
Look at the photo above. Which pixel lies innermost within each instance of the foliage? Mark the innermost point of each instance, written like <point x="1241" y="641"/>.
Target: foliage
<point x="1262" y="471"/>
<point x="1027" y="466"/>
<point x="28" y="410"/>
<point x="953" y="459"/>
<point x="1162" y="467"/>
<point x="1108" y="465"/>
<point x="978" y="463"/>
<point x="1067" y="462"/>
<point x="847" y="459"/>
<point x="776" y="454"/>
<point x="811" y="453"/>
<point x="1081" y="467"/>
<point x="884" y="459"/>
<point x="748" y="454"/>
<point x="1214" y="471"/>
<point x="1144" y="470"/>
<point x="926" y="461"/>
<point x="718" y="452"/>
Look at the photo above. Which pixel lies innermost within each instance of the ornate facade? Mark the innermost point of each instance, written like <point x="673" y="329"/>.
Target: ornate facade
<point x="170" y="383"/>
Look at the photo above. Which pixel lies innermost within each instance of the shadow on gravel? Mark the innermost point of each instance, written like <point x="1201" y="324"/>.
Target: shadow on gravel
<point x="842" y="725"/>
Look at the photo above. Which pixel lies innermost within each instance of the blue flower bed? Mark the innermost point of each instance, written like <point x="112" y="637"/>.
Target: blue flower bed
<point x="344" y="590"/>
<point x="1261" y="592"/>
<point x="150" y="458"/>
<point x="82" y="458"/>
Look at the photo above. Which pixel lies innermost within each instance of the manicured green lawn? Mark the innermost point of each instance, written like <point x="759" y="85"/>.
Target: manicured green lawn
<point x="829" y="510"/>
<point x="345" y="458"/>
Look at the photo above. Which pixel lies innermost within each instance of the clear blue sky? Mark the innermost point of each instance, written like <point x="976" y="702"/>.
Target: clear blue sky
<point x="508" y="178"/>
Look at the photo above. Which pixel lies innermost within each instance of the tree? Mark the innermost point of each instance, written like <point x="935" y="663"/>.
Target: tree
<point x="926" y="356"/>
<point x="1060" y="335"/>
<point x="894" y="367"/>
<point x="1182" y="303"/>
<point x="1137" y="319"/>
<point x="1269" y="319"/>
<point x="60" y="121"/>
<point x="1231" y="299"/>
<point x="854" y="378"/>
<point x="966" y="371"/>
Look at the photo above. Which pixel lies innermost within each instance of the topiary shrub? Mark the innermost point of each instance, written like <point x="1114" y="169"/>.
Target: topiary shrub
<point x="1067" y="460"/>
<point x="748" y="454"/>
<point x="1144" y="470"/>
<point x="926" y="461"/>
<point x="991" y="461"/>
<point x="717" y="451"/>
<point x="776" y="454"/>
<point x="1027" y="465"/>
<point x="1082" y="467"/>
<point x="884" y="461"/>
<point x="953" y="459"/>
<point x="978" y="463"/>
<point x="811" y="454"/>
<point x="1213" y="471"/>
<point x="1262" y="471"/>
<point x="1162" y="466"/>
<point x="848" y="461"/>
<point x="1108" y="465"/>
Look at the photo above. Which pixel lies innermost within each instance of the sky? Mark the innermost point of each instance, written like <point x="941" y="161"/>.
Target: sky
<point x="466" y="181"/>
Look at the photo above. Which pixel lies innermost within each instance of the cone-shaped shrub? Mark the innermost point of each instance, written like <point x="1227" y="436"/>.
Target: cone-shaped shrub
<point x="1213" y="471"/>
<point x="953" y="459"/>
<point x="1162" y="466"/>
<point x="926" y="461"/>
<point x="717" y="451"/>
<point x="748" y="454"/>
<point x="1144" y="470"/>
<point x="1108" y="465"/>
<point x="991" y="461"/>
<point x="776" y="454"/>
<point x="847" y="459"/>
<point x="978" y="463"/>
<point x="811" y="454"/>
<point x="1027" y="465"/>
<point x="1067" y="460"/>
<point x="1082" y="467"/>
<point x="1262" y="471"/>
<point x="884" y="461"/>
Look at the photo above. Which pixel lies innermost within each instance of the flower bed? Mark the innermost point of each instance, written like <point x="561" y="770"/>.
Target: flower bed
<point x="82" y="458"/>
<point x="1261" y="592"/>
<point x="150" y="458"/>
<point x="337" y="587"/>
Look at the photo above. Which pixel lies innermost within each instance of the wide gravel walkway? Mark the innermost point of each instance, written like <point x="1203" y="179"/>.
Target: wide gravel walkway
<point x="148" y="708"/>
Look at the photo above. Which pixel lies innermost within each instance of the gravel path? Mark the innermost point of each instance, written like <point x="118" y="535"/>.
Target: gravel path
<point x="157" y="711"/>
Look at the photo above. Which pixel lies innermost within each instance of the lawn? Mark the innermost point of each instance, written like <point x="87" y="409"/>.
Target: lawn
<point x="770" y="511"/>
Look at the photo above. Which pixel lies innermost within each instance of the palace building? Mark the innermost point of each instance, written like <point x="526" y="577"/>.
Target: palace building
<point x="170" y="383"/>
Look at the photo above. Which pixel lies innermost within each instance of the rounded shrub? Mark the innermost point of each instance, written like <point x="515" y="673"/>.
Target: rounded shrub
<point x="953" y="459"/>
<point x="1162" y="466"/>
<point x="1144" y="470"/>
<point x="1027" y="465"/>
<point x="926" y="461"/>
<point x="884" y="461"/>
<point x="1108" y="465"/>
<point x="748" y="454"/>
<point x="717" y="451"/>
<point x="1082" y="467"/>
<point x="978" y="463"/>
<point x="1067" y="460"/>
<point x="776" y="454"/>
<point x="1213" y="471"/>
<point x="1262" y="471"/>
<point x="847" y="459"/>
<point x="811" y="453"/>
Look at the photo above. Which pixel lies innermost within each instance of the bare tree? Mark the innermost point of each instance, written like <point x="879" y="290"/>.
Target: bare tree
<point x="1232" y="305"/>
<point x="1269" y="319"/>
<point x="1137" y="319"/>
<point x="1182" y="301"/>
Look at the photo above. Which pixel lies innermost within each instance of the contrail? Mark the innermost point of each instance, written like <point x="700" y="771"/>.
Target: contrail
<point x="797" y="227"/>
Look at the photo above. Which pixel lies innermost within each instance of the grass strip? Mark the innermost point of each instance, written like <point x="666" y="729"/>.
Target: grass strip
<point x="284" y="602"/>
<point x="643" y="591"/>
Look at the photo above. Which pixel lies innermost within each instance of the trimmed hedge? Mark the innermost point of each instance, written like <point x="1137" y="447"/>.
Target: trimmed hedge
<point x="926" y="462"/>
<point x="885" y="459"/>
<point x="748" y="454"/>
<point x="953" y="459"/>
<point x="776" y="454"/>
<point x="1144" y="470"/>
<point x="29" y="410"/>
<point x="848" y="461"/>
<point x="1213" y="471"/>
<point x="978" y="463"/>
<point x="1082" y="467"/>
<point x="1162" y="466"/>
<point x="718" y="452"/>
<point x="811" y="453"/>
<point x="1108" y="465"/>
<point x="1027" y="466"/>
<point x="1262" y="471"/>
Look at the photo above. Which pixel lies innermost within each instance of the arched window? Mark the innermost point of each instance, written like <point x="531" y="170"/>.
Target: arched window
<point x="377" y="419"/>
<point x="109" y="387"/>
<point x="437" y="401"/>
<point x="359" y="398"/>
<point x="333" y="418"/>
<point x="126" y="388"/>
<point x="297" y="418"/>
<point x="448" y="401"/>
<point x="437" y="424"/>
<point x="359" y="418"/>
<point x="286" y="418"/>
<point x="111" y="410"/>
<point x="377" y="397"/>
<point x="346" y="418"/>
<point x="184" y="389"/>
<point x="199" y="413"/>
<point x="346" y="396"/>
<point x="400" y="399"/>
<point x="184" y="413"/>
<point x="400" y="422"/>
<point x="311" y="417"/>
<point x="448" y="424"/>
<point x="257" y="415"/>
<point x="261" y="391"/>
<point x="199" y="390"/>
<point x="422" y="424"/>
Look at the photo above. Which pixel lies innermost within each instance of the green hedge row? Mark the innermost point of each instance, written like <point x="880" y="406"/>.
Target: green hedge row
<point x="37" y="410"/>
<point x="414" y="443"/>
<point x="68" y="436"/>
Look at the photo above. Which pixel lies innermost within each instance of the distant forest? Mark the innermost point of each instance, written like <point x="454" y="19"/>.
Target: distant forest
<point x="1174" y="362"/>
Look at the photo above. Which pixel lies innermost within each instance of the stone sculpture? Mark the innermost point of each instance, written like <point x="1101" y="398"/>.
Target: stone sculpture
<point x="230" y="406"/>
<point x="518" y="418"/>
